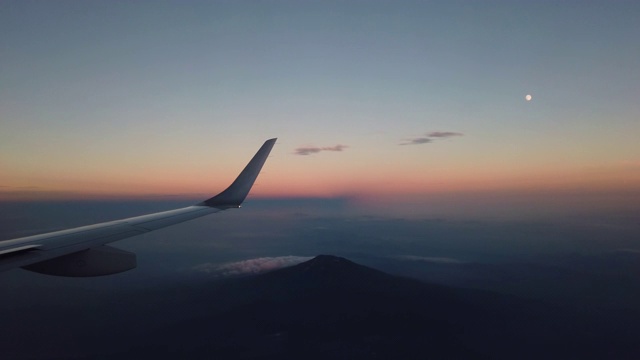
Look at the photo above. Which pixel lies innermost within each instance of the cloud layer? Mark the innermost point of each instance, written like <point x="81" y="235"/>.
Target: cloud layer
<point x="313" y="150"/>
<point x="251" y="266"/>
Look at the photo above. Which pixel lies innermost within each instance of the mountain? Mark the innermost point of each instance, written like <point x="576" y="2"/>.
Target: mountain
<point x="325" y="308"/>
<point x="330" y="307"/>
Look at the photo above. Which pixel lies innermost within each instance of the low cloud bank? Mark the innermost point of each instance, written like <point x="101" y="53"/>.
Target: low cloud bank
<point x="251" y="266"/>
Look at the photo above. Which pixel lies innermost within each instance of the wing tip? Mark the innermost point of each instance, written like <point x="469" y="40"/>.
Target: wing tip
<point x="235" y="194"/>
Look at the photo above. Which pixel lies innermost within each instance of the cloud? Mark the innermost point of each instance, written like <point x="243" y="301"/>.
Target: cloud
<point x="437" y="260"/>
<point x="417" y="141"/>
<point x="251" y="266"/>
<point x="443" y="134"/>
<point x="430" y="137"/>
<point x="307" y="150"/>
<point x="313" y="150"/>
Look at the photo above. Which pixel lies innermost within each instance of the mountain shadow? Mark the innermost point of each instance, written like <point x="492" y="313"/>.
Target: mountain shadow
<point x="332" y="308"/>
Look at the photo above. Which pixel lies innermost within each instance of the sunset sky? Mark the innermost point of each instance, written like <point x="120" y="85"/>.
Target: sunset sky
<point x="395" y="99"/>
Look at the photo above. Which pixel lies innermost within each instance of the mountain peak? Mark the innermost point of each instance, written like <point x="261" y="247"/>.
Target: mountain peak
<point x="328" y="261"/>
<point x="328" y="271"/>
<point x="329" y="264"/>
<point x="332" y="258"/>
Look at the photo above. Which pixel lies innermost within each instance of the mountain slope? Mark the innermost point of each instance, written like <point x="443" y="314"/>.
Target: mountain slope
<point x="330" y="307"/>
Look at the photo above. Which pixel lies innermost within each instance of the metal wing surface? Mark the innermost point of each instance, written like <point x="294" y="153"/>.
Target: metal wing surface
<point x="82" y="251"/>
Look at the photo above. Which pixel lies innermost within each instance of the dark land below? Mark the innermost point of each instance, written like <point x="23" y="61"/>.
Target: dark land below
<point x="325" y="308"/>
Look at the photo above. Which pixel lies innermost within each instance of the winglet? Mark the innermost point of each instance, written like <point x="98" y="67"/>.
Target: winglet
<point x="235" y="194"/>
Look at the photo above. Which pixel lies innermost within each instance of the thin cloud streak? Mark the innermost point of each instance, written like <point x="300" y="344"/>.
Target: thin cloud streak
<point x="443" y="134"/>
<point x="417" y="141"/>
<point x="314" y="150"/>
<point x="251" y="266"/>
<point x="430" y="137"/>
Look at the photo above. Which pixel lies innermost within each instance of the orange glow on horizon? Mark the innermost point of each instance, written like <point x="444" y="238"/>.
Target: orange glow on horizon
<point x="297" y="178"/>
<point x="311" y="186"/>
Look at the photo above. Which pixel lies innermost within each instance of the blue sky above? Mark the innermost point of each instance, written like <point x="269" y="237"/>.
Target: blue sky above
<point x="111" y="97"/>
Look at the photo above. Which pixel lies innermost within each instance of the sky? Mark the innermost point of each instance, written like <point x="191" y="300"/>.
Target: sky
<point x="390" y="104"/>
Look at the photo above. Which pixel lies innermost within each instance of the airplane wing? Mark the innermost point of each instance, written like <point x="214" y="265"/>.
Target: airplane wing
<point x="81" y="251"/>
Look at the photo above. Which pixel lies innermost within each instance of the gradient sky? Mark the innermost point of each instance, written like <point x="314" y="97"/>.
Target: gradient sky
<point x="421" y="97"/>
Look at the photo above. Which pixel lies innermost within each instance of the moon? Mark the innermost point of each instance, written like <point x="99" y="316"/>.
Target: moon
<point x="528" y="97"/>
